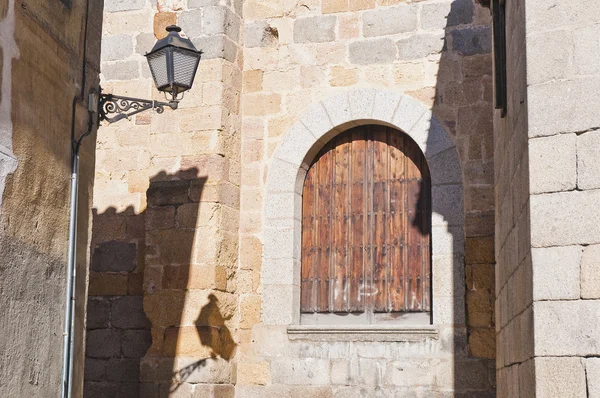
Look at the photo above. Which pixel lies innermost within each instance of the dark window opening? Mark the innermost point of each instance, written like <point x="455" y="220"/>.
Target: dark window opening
<point x="501" y="85"/>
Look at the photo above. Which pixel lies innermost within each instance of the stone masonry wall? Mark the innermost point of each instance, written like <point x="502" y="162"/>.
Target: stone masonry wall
<point x="293" y="55"/>
<point x="198" y="145"/>
<point x="46" y="75"/>
<point x="546" y="226"/>
<point x="514" y="311"/>
<point x="563" y="81"/>
<point x="296" y="54"/>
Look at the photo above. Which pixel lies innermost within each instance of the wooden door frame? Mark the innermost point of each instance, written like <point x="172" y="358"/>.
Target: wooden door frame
<point x="280" y="273"/>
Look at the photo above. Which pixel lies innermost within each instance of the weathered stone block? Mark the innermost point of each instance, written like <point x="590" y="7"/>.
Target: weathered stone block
<point x="103" y="343"/>
<point x="472" y="40"/>
<point x="135" y="343"/>
<point x="564" y="328"/>
<point x="482" y="343"/>
<point x="98" y="313"/>
<point x="300" y="371"/>
<point x="590" y="272"/>
<point x="121" y="70"/>
<point x="548" y="56"/>
<point x="445" y="200"/>
<point x="420" y="46"/>
<point x="114" y="256"/>
<point x="168" y="193"/>
<point x="588" y="160"/>
<point x="373" y="51"/>
<point x="95" y="369"/>
<point x="564" y="98"/>
<point x="191" y="23"/>
<point x="161" y="21"/>
<point x="443" y="170"/>
<point x="219" y="46"/>
<point x="560" y="377"/>
<point x="128" y="313"/>
<point x="315" y="29"/>
<point x="123" y="369"/>
<point x="446" y="14"/>
<point x="260" y="34"/>
<point x="107" y="284"/>
<point x="341" y="76"/>
<point x="123" y="5"/>
<point x="333" y="6"/>
<point x="262" y="9"/>
<point x="94" y="389"/>
<point x="220" y="20"/>
<point x="253" y="373"/>
<point x="565" y="218"/>
<point x="117" y="47"/>
<point x="592" y="372"/>
<point x="556" y="272"/>
<point x="553" y="163"/>
<point x="389" y="21"/>
<point x="202" y="3"/>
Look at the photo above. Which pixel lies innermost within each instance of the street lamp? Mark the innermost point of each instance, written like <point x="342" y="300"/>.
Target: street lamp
<point x="173" y="62"/>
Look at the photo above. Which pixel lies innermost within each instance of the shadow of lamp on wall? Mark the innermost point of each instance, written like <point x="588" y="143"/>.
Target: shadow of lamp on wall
<point x="173" y="62"/>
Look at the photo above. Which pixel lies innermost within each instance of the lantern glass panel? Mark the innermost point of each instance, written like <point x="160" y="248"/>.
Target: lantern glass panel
<point x="158" y="66"/>
<point x="185" y="64"/>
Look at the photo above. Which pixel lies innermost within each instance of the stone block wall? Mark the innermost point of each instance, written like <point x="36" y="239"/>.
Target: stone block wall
<point x="296" y="55"/>
<point x="546" y="232"/>
<point x="283" y="58"/>
<point x="46" y="75"/>
<point x="563" y="156"/>
<point x="514" y="299"/>
<point x="177" y="175"/>
<point x="118" y="331"/>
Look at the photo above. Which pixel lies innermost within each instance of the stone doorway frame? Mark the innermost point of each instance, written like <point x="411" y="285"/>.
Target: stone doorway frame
<point x="280" y="273"/>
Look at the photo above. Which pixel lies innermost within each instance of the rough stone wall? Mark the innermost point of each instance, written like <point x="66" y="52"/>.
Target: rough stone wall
<point x="514" y="311"/>
<point x="293" y="56"/>
<point x="548" y="263"/>
<point x="297" y="54"/>
<point x="185" y="221"/>
<point x="41" y="64"/>
<point x="564" y="145"/>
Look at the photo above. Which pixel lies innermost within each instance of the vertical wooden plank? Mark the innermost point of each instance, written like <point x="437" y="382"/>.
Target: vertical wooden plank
<point x="340" y="219"/>
<point x="413" y="174"/>
<point x="380" y="205"/>
<point x="324" y="230"/>
<point x="397" y="221"/>
<point x="357" y="236"/>
<point x="308" y="258"/>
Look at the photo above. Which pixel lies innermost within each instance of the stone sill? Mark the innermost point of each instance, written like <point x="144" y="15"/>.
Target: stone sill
<point x="364" y="333"/>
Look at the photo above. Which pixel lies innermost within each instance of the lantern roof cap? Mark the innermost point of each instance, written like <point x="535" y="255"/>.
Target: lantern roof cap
<point x="175" y="40"/>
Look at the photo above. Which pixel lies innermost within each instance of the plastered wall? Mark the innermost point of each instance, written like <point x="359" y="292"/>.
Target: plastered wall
<point x="42" y="68"/>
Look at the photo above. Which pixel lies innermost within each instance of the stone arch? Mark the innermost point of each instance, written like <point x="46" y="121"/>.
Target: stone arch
<point x="280" y="274"/>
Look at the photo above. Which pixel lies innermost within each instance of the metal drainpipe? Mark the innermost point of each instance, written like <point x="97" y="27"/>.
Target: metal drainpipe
<point x="69" y="326"/>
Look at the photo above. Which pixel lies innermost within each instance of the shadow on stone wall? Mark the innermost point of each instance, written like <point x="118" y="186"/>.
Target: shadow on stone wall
<point x="463" y="103"/>
<point x="142" y="271"/>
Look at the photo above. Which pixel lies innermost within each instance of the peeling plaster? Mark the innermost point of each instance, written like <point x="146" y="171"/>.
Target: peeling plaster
<point x="10" y="51"/>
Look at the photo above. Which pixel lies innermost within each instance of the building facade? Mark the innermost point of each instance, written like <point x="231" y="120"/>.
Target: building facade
<point x="202" y="282"/>
<point x="357" y="198"/>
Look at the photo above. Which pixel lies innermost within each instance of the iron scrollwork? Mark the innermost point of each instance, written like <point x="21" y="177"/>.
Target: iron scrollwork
<point x="125" y="107"/>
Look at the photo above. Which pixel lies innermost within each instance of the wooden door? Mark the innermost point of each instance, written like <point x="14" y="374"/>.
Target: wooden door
<point x="366" y="225"/>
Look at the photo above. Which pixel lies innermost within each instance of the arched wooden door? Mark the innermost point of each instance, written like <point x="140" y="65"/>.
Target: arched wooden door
<point x="366" y="218"/>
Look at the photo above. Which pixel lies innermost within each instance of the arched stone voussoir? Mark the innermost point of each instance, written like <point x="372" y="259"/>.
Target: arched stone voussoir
<point x="357" y="107"/>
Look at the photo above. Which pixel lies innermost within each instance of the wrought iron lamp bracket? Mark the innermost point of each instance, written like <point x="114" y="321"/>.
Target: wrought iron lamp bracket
<point x="125" y="107"/>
